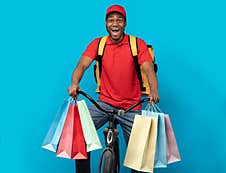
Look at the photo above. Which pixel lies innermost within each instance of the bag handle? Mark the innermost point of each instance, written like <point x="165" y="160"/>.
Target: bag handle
<point x="152" y="107"/>
<point x="156" y="108"/>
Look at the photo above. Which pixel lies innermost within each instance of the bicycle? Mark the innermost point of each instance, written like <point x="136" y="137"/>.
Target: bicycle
<point x="110" y="154"/>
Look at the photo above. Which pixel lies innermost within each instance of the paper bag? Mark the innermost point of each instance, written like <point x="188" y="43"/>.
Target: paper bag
<point x="172" y="148"/>
<point x="78" y="145"/>
<point x="52" y="138"/>
<point x="142" y="142"/>
<point x="89" y="130"/>
<point x="160" y="153"/>
<point x="72" y="143"/>
<point x="65" y="144"/>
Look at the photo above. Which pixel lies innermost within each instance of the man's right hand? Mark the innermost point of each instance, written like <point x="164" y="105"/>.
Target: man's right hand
<point x="72" y="90"/>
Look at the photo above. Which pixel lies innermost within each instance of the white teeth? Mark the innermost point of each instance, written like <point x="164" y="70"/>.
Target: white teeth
<point x="115" y="29"/>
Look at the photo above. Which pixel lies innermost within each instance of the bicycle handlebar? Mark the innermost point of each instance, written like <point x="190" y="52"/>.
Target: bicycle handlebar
<point x="119" y="112"/>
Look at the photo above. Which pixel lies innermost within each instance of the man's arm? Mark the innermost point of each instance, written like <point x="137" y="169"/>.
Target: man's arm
<point x="81" y="67"/>
<point x="148" y="68"/>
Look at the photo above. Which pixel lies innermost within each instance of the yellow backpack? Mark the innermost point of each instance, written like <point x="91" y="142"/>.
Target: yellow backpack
<point x="145" y="89"/>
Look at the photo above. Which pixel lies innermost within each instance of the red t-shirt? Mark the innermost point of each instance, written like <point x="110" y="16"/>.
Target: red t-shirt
<point x="119" y="83"/>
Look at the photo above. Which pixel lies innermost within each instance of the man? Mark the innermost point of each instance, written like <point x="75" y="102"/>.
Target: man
<point x="119" y="82"/>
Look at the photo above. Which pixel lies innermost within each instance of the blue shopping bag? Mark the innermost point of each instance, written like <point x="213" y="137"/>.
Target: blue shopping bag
<point x="53" y="136"/>
<point x="161" y="144"/>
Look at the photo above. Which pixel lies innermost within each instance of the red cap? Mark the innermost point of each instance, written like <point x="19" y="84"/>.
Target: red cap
<point x="116" y="8"/>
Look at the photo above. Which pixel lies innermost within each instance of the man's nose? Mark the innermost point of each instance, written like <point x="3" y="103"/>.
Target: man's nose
<point x="115" y="22"/>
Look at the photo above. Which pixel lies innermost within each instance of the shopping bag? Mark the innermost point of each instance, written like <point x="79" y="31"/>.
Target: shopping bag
<point x="78" y="145"/>
<point x="52" y="138"/>
<point x="141" y="146"/>
<point x="72" y="143"/>
<point x="160" y="153"/>
<point x="89" y="130"/>
<point x="173" y="154"/>
<point x="65" y="144"/>
<point x="172" y="148"/>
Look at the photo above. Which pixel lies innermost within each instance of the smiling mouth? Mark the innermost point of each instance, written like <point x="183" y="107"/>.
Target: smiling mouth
<point x="115" y="31"/>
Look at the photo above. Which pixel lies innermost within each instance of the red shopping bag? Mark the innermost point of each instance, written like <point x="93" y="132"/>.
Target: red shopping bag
<point x="71" y="135"/>
<point x="78" y="144"/>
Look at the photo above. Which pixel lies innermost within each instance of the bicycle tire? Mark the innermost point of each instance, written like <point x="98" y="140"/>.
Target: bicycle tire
<point x="116" y="156"/>
<point x="108" y="165"/>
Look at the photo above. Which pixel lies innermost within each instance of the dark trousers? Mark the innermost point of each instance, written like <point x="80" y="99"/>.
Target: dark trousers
<point x="83" y="165"/>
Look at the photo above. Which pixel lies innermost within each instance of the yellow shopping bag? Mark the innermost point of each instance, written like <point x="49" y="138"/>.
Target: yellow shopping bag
<point x="142" y="142"/>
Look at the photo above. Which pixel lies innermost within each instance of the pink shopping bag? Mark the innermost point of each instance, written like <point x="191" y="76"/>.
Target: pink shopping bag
<point x="172" y="148"/>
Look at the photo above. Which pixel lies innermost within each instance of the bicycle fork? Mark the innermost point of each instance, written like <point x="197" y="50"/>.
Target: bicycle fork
<point x="111" y="152"/>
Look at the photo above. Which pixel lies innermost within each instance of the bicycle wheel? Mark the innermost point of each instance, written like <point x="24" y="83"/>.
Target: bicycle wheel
<point x="108" y="166"/>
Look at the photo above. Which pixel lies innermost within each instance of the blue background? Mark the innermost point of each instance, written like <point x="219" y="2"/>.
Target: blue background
<point x="41" y="42"/>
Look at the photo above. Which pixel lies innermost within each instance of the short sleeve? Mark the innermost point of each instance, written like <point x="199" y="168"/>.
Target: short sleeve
<point x="143" y="52"/>
<point x="91" y="49"/>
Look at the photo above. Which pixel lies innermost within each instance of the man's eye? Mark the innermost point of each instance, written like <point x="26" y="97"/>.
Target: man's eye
<point x="110" y="20"/>
<point x="119" y="20"/>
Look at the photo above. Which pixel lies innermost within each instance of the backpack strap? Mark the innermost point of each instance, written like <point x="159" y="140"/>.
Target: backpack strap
<point x="134" y="51"/>
<point x="100" y="52"/>
<point x="101" y="45"/>
<point x="98" y="65"/>
<point x="133" y="45"/>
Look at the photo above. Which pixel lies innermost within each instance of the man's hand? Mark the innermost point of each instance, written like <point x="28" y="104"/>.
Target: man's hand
<point x="154" y="97"/>
<point x="72" y="90"/>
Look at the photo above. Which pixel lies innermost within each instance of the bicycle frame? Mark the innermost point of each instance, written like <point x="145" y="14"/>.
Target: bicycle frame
<point x="110" y="134"/>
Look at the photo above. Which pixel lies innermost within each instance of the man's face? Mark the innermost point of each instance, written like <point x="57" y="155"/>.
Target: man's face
<point x="115" y="24"/>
